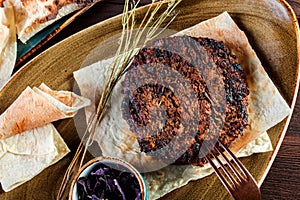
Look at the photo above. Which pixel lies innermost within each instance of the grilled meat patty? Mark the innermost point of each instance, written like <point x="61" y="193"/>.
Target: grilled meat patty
<point x="149" y="100"/>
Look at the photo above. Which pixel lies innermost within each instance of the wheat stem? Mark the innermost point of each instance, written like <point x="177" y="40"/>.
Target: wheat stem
<point x="117" y="69"/>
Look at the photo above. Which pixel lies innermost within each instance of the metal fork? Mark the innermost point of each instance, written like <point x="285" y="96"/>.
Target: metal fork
<point x="238" y="181"/>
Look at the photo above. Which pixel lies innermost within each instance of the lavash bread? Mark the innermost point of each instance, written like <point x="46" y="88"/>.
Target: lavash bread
<point x="8" y="44"/>
<point x="266" y="108"/>
<point x="25" y="155"/>
<point x="29" y="143"/>
<point x="33" y="16"/>
<point x="39" y="106"/>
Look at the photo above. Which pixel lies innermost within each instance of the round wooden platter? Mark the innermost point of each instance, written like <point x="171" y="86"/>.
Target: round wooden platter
<point x="272" y="29"/>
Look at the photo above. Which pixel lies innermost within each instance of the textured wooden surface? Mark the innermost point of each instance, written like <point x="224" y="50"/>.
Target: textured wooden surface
<point x="283" y="180"/>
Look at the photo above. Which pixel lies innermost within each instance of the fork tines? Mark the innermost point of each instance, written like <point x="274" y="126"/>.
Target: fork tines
<point x="235" y="170"/>
<point x="234" y="176"/>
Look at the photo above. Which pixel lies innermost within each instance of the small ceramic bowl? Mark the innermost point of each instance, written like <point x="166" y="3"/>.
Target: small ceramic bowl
<point x="114" y="163"/>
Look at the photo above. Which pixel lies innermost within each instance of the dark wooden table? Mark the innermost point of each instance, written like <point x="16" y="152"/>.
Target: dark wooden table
<point x="283" y="180"/>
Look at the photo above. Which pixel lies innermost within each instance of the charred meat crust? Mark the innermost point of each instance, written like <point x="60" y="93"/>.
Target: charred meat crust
<point x="184" y="54"/>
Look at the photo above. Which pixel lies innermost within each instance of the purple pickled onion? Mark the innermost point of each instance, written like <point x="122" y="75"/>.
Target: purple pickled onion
<point x="98" y="172"/>
<point x="105" y="182"/>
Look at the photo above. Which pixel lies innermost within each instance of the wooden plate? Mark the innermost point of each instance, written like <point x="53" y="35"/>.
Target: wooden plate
<point x="272" y="29"/>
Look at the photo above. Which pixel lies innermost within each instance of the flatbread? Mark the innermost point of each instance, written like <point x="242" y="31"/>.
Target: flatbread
<point x="266" y="108"/>
<point x="34" y="15"/>
<point x="29" y="143"/>
<point x="25" y="155"/>
<point x="8" y="44"/>
<point x="39" y="106"/>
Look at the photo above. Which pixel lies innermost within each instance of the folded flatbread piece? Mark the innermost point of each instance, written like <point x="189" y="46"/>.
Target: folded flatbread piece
<point x="25" y="155"/>
<point x="39" y="106"/>
<point x="29" y="143"/>
<point x="8" y="44"/>
<point x="266" y="108"/>
<point x="34" y="15"/>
